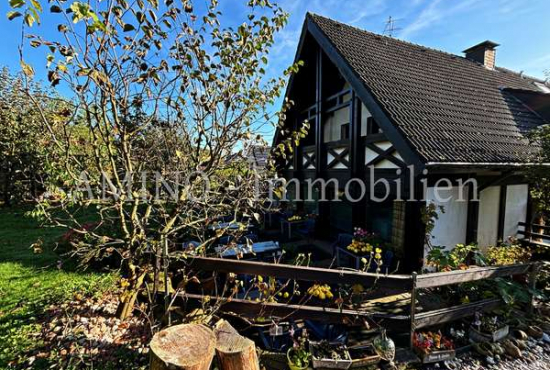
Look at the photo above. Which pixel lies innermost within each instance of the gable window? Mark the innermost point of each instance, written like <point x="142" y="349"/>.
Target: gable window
<point x="368" y="124"/>
<point x="344" y="132"/>
<point x="336" y="125"/>
<point x="372" y="126"/>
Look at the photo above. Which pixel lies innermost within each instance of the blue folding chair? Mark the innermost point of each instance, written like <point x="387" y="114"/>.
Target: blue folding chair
<point x="342" y="241"/>
<point x="307" y="229"/>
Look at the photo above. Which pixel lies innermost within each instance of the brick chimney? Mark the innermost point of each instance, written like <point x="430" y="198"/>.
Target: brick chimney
<point x="483" y="53"/>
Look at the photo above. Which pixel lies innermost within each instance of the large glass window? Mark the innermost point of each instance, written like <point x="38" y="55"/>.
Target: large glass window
<point x="380" y="219"/>
<point x="340" y="217"/>
<point x="332" y="125"/>
<point x="368" y="124"/>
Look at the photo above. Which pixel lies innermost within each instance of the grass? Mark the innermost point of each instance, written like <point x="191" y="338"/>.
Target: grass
<point x="30" y="282"/>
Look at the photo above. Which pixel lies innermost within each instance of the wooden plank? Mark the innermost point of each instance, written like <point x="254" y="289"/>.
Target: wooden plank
<point x="272" y="309"/>
<point x="462" y="276"/>
<point x="315" y="274"/>
<point x="539" y="244"/>
<point x="545" y="227"/>
<point x="444" y="315"/>
<point x="535" y="235"/>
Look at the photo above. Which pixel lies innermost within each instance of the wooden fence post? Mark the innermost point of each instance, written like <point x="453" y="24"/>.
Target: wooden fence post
<point x="413" y="308"/>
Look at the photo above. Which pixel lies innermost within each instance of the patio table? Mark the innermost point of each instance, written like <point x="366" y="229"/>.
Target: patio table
<point x="259" y="248"/>
<point x="228" y="226"/>
<point x="289" y="225"/>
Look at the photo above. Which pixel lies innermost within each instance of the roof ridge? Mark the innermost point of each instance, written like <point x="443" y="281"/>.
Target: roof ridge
<point x="521" y="74"/>
<point x="393" y="39"/>
<point x="313" y="15"/>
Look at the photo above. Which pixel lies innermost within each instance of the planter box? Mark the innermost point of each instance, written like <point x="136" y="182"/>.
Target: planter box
<point x="363" y="356"/>
<point x="436" y="356"/>
<point x="495" y="336"/>
<point x="328" y="363"/>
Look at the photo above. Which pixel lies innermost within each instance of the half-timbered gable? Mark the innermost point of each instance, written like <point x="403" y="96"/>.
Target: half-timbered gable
<point x="384" y="109"/>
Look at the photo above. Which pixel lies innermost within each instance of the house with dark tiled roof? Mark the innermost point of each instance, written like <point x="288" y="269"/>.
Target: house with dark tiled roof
<point x="407" y="119"/>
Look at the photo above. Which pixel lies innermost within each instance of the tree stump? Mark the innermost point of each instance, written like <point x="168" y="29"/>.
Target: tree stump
<point x="183" y="347"/>
<point x="234" y="351"/>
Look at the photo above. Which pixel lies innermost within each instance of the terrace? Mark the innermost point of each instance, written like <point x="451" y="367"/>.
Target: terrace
<point x="263" y="285"/>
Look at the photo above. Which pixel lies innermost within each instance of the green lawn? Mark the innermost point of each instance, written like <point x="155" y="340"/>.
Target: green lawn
<point x="30" y="281"/>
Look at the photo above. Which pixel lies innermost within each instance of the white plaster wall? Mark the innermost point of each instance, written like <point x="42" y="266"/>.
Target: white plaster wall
<point x="333" y="122"/>
<point x="365" y="114"/>
<point x="516" y="208"/>
<point x="450" y="228"/>
<point x="487" y="227"/>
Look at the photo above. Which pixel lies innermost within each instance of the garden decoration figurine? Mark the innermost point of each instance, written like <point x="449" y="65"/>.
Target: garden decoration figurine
<point x="384" y="346"/>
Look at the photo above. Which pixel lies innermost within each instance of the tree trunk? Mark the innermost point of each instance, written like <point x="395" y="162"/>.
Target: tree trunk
<point x="129" y="296"/>
<point x="183" y="347"/>
<point x="234" y="351"/>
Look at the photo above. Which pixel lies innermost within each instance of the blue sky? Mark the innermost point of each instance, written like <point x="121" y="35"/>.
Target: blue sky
<point x="521" y="27"/>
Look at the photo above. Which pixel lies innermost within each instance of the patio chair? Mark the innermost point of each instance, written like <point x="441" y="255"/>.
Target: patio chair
<point x="329" y="332"/>
<point x="226" y="239"/>
<point x="249" y="238"/>
<point x="387" y="260"/>
<point x="307" y="229"/>
<point x="342" y="241"/>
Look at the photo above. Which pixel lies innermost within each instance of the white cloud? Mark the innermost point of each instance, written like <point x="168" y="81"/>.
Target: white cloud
<point x="435" y="12"/>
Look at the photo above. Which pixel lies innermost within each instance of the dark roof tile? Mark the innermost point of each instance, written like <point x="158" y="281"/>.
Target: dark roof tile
<point x="451" y="109"/>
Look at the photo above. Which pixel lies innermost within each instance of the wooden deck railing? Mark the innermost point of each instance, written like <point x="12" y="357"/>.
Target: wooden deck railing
<point x="534" y="234"/>
<point x="395" y="283"/>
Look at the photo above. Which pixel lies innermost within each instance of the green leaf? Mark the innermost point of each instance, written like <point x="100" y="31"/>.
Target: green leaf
<point x="17" y="3"/>
<point x="128" y="27"/>
<point x="56" y="9"/>
<point x="36" y="5"/>
<point x="27" y="69"/>
<point x="29" y="19"/>
<point x="12" y="15"/>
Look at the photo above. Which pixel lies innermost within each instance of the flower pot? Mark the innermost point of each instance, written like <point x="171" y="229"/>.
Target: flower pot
<point x="291" y="365"/>
<point x="495" y="336"/>
<point x="320" y="362"/>
<point x="363" y="356"/>
<point x="436" y="356"/>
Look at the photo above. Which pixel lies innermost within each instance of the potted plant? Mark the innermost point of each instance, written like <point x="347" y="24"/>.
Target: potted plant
<point x="363" y="355"/>
<point x="330" y="355"/>
<point x="433" y="347"/>
<point x="298" y="356"/>
<point x="487" y="329"/>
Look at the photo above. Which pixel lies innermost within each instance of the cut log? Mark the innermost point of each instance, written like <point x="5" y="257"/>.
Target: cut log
<point x="234" y="351"/>
<point x="185" y="347"/>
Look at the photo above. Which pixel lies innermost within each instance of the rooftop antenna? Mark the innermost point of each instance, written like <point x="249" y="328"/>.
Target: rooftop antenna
<point x="390" y="27"/>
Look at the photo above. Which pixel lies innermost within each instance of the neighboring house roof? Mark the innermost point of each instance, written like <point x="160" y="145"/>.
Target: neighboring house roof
<point x="257" y="155"/>
<point x="448" y="108"/>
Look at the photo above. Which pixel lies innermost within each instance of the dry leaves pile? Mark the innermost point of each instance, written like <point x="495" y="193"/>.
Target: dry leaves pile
<point x="85" y="333"/>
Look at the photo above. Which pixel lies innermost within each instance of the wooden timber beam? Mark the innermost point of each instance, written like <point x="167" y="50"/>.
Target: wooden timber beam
<point x="462" y="276"/>
<point x="296" y="311"/>
<point x="314" y="274"/>
<point x="444" y="315"/>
